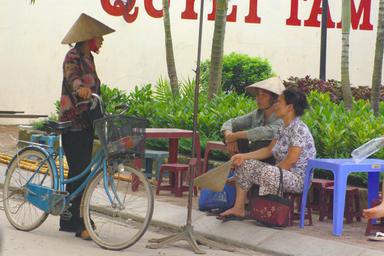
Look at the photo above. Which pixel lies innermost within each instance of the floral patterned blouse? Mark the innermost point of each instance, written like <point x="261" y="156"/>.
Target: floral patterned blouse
<point x="296" y="134"/>
<point x="79" y="71"/>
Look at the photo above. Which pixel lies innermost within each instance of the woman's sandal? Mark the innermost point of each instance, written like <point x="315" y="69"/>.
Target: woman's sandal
<point x="379" y="237"/>
<point x="214" y="212"/>
<point x="83" y="234"/>
<point x="231" y="218"/>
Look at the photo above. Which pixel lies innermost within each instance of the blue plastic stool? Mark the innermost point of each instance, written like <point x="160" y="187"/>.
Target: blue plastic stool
<point x="48" y="140"/>
<point x="156" y="155"/>
<point x="341" y="168"/>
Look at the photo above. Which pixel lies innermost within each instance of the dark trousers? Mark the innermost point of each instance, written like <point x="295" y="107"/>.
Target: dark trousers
<point x="78" y="151"/>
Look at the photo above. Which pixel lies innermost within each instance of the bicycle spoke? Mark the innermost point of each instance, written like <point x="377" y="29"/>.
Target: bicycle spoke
<point x="20" y="213"/>
<point x="122" y="219"/>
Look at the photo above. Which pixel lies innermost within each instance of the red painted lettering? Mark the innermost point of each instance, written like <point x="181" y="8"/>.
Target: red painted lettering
<point x="360" y="15"/>
<point x="119" y="8"/>
<point x="189" y="12"/>
<point x="152" y="11"/>
<point x="128" y="16"/>
<point x="293" y="20"/>
<point x="252" y="16"/>
<point x="230" y="17"/>
<point x="212" y="15"/>
<point x="313" y="20"/>
<point x="364" y="7"/>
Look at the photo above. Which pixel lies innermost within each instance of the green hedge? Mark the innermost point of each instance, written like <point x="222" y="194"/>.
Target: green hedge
<point x="239" y="71"/>
<point x="336" y="132"/>
<point x="163" y="110"/>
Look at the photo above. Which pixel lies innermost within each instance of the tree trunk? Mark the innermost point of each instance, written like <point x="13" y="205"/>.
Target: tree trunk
<point x="216" y="69"/>
<point x="378" y="62"/>
<point x="346" y="26"/>
<point x="171" y="66"/>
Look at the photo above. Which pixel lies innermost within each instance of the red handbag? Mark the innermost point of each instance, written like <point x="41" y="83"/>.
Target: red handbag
<point x="272" y="210"/>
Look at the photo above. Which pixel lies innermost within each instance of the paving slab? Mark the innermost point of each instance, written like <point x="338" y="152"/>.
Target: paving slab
<point x="248" y="234"/>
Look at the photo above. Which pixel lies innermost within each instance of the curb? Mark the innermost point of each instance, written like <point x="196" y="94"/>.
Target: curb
<point x="176" y="228"/>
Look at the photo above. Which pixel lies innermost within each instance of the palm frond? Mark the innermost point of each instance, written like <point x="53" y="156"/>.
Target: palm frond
<point x="163" y="90"/>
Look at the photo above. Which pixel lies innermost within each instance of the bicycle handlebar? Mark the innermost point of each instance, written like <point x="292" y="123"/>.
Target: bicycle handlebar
<point x="97" y="98"/>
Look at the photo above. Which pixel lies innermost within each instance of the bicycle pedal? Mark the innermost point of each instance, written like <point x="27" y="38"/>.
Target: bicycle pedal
<point x="66" y="215"/>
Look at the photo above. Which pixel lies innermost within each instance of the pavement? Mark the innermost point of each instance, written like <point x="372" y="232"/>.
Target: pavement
<point x="246" y="234"/>
<point x="47" y="241"/>
<point x="316" y="240"/>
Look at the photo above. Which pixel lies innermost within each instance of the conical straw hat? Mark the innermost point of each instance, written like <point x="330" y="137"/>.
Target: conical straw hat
<point x="86" y="28"/>
<point x="214" y="179"/>
<point x="273" y="84"/>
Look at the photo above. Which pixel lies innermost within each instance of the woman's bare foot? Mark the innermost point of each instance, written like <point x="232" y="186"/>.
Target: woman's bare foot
<point x="374" y="213"/>
<point x="232" y="212"/>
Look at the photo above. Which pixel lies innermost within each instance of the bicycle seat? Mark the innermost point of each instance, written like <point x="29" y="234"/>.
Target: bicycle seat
<point x="58" y="127"/>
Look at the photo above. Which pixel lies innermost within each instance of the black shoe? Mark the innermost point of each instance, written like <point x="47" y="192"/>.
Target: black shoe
<point x="67" y="229"/>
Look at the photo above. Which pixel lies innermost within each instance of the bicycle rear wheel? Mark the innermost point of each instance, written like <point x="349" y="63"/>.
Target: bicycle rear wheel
<point x="118" y="222"/>
<point x="20" y="213"/>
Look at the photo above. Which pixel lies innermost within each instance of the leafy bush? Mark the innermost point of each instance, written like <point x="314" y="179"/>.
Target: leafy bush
<point x="337" y="132"/>
<point x="332" y="87"/>
<point x="163" y="110"/>
<point x="239" y="71"/>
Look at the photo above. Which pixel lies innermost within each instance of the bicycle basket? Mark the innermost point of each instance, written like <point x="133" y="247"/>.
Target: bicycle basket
<point x="122" y="136"/>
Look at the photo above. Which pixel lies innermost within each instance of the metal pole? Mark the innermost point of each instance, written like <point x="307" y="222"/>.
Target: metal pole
<point x="187" y="233"/>
<point x="323" y="45"/>
<point x="195" y="113"/>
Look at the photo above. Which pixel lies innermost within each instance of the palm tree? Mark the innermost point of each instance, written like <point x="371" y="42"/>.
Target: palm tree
<point x="216" y="68"/>
<point x="171" y="66"/>
<point x="346" y="27"/>
<point x="378" y="62"/>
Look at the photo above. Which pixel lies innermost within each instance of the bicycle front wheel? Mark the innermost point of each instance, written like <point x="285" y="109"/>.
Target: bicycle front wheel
<point x="118" y="219"/>
<point x="20" y="213"/>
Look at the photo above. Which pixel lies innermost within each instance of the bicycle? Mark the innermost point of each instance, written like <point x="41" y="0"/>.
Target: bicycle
<point x="117" y="203"/>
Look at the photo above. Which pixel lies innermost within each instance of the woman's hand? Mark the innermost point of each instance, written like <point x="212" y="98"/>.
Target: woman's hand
<point x="237" y="159"/>
<point x="84" y="93"/>
<point x="230" y="137"/>
<point x="232" y="148"/>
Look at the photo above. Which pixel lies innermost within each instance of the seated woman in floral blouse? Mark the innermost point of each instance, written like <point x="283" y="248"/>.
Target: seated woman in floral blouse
<point x="292" y="147"/>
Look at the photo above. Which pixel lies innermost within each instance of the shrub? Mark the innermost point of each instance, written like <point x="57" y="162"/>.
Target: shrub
<point x="336" y="131"/>
<point x="164" y="110"/>
<point x="239" y="71"/>
<point x="332" y="87"/>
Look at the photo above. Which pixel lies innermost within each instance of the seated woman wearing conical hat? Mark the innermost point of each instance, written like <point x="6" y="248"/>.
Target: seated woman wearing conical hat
<point x="257" y="128"/>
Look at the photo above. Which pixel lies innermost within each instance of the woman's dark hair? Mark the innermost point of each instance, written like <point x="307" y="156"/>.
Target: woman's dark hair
<point x="78" y="44"/>
<point x="274" y="97"/>
<point x="297" y="99"/>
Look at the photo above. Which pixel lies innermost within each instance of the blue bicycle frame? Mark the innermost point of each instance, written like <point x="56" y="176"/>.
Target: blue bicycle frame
<point x="97" y="163"/>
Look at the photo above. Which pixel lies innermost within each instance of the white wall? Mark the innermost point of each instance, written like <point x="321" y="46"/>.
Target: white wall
<point x="31" y="54"/>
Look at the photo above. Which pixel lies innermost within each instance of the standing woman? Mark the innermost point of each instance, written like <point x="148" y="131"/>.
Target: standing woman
<point x="79" y="82"/>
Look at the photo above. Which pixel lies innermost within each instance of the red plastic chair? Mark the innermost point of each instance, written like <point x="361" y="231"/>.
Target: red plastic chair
<point x="319" y="197"/>
<point x="352" y="204"/>
<point x="212" y="145"/>
<point x="295" y="215"/>
<point x="176" y="172"/>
